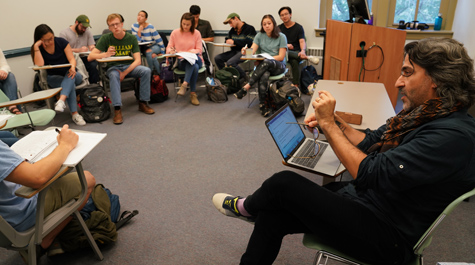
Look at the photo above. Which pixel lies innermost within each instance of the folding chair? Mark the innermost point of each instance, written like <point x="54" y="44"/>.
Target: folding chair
<point x="29" y="239"/>
<point x="330" y="252"/>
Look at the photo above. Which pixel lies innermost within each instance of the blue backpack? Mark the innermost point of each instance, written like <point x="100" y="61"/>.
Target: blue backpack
<point x="307" y="76"/>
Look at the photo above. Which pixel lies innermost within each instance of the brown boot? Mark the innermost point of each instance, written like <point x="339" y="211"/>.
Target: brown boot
<point x="194" y="99"/>
<point x="143" y="107"/>
<point x="118" y="117"/>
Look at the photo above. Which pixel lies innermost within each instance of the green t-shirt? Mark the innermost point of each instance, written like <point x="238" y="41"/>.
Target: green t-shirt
<point x="127" y="46"/>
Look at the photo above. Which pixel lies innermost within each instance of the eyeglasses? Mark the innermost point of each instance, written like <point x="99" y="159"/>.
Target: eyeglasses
<point x="316" y="148"/>
<point x="114" y="25"/>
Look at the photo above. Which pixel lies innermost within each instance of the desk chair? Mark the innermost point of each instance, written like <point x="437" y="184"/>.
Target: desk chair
<point x="33" y="118"/>
<point x="29" y="239"/>
<point x="43" y="79"/>
<point x="177" y="74"/>
<point x="255" y="92"/>
<point x="330" y="252"/>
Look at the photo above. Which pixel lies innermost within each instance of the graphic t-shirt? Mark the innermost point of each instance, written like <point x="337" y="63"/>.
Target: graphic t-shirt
<point x="127" y="46"/>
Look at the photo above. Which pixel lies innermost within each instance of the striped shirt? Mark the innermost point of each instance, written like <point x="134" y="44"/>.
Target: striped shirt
<point x="149" y="33"/>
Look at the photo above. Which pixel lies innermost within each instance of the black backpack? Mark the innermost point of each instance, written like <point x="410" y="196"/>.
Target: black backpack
<point x="94" y="103"/>
<point x="308" y="76"/>
<point x="282" y="92"/>
<point x="229" y="77"/>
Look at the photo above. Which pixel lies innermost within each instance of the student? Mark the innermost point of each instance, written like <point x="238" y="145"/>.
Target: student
<point x="240" y="35"/>
<point x="295" y="44"/>
<point x="187" y="39"/>
<point x="19" y="212"/>
<point x="8" y="83"/>
<point x="121" y="43"/>
<point x="271" y="41"/>
<point x="50" y="50"/>
<point x="81" y="39"/>
<point x="203" y="26"/>
<point x="405" y="173"/>
<point x="145" y="32"/>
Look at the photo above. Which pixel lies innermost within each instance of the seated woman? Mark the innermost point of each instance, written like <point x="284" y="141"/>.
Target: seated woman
<point x="145" y="32"/>
<point x="50" y="50"/>
<point x="269" y="40"/>
<point x="187" y="39"/>
<point x="8" y="83"/>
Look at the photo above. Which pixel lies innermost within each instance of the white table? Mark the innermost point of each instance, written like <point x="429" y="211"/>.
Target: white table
<point x="368" y="99"/>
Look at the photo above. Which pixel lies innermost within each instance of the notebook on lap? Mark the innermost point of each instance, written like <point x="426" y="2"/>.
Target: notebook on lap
<point x="292" y="144"/>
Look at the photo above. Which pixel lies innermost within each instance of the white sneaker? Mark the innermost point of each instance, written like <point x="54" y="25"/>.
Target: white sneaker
<point x="59" y="106"/>
<point x="79" y="120"/>
<point x="313" y="59"/>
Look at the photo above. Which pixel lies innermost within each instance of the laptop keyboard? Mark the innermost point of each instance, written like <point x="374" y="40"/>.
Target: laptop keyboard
<point x="308" y="150"/>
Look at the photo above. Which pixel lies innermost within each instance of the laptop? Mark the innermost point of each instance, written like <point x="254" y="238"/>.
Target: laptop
<point x="292" y="142"/>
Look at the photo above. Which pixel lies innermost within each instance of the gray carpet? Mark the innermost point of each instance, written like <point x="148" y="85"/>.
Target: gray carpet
<point x="168" y="166"/>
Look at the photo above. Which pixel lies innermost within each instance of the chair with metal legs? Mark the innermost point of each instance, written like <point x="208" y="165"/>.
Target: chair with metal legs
<point x="325" y="251"/>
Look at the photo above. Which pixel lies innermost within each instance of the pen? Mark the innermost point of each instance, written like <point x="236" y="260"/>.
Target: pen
<point x="57" y="130"/>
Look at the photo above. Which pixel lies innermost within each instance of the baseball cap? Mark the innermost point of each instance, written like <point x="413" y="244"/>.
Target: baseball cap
<point x="84" y="20"/>
<point x="232" y="15"/>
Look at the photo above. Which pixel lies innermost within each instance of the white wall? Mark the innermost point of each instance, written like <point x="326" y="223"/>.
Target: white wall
<point x="19" y="19"/>
<point x="463" y="25"/>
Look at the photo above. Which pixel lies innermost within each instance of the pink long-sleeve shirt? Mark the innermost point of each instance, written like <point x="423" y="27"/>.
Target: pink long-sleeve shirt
<point x="185" y="42"/>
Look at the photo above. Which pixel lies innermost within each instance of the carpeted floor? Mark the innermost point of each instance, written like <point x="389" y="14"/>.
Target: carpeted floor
<point x="169" y="165"/>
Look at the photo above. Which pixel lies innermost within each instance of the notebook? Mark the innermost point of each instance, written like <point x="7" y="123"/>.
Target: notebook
<point x="291" y="142"/>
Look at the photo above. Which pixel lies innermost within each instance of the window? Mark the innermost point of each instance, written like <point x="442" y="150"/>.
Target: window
<point x="387" y="13"/>
<point x="424" y="11"/>
<point x="340" y="9"/>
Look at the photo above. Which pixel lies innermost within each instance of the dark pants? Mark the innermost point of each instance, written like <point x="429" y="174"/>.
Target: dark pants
<point x="91" y="68"/>
<point x="288" y="203"/>
<point x="262" y="73"/>
<point x="230" y="58"/>
<point x="294" y="61"/>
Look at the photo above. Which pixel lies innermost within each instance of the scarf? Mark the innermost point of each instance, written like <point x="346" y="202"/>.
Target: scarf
<point x="401" y="124"/>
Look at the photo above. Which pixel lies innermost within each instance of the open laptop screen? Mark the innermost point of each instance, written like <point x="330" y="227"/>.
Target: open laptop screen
<point x="286" y="136"/>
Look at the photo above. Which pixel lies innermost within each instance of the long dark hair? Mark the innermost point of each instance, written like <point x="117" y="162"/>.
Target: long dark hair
<point x="449" y="66"/>
<point x="275" y="32"/>
<point x="190" y="17"/>
<point x="40" y="31"/>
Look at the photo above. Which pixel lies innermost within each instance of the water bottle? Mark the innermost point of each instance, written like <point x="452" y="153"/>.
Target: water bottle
<point x="370" y="21"/>
<point x="438" y="22"/>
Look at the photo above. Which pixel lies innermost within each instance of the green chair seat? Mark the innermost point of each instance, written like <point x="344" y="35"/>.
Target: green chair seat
<point x="39" y="117"/>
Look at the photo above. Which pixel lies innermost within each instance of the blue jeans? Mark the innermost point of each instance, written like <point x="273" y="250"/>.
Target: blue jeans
<point x="69" y="88"/>
<point x="8" y="137"/>
<point x="140" y="71"/>
<point x="153" y="62"/>
<point x="9" y="87"/>
<point x="191" y="71"/>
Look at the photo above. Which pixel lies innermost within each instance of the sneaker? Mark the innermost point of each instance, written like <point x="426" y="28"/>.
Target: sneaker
<point x="79" y="120"/>
<point x="264" y="110"/>
<point x="313" y="59"/>
<point x="226" y="204"/>
<point x="182" y="90"/>
<point x="55" y="249"/>
<point x="59" y="106"/>
<point x="194" y="99"/>
<point x="241" y="93"/>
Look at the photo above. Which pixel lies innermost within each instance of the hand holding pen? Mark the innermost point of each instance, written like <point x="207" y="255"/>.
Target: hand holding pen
<point x="67" y="138"/>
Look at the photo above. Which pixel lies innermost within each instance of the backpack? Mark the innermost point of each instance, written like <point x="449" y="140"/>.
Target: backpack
<point x="94" y="103"/>
<point x="158" y="89"/>
<point x="229" y="77"/>
<point x="308" y="76"/>
<point x="283" y="92"/>
<point x="216" y="91"/>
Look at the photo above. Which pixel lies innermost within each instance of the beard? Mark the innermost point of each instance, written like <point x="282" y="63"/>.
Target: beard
<point x="78" y="31"/>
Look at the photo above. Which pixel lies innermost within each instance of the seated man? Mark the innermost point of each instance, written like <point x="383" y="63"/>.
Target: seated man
<point x="405" y="173"/>
<point x="295" y="43"/>
<point x="81" y="40"/>
<point x="19" y="212"/>
<point x="121" y="43"/>
<point x="203" y="26"/>
<point x="240" y="34"/>
<point x="8" y="83"/>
